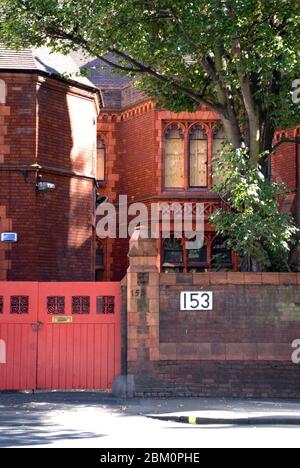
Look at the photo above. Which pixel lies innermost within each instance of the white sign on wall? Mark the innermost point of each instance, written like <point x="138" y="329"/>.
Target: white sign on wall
<point x="193" y="300"/>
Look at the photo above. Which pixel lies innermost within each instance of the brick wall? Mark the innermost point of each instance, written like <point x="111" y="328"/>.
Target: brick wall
<point x="67" y="135"/>
<point x="49" y="123"/>
<point x="137" y="153"/>
<point x="134" y="142"/>
<point x="285" y="163"/>
<point x="242" y="348"/>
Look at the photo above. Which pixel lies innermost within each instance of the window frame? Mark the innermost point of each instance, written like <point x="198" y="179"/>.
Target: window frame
<point x="99" y="268"/>
<point x="197" y="187"/>
<point x="103" y="140"/>
<point x="175" y="265"/>
<point x="185" y="267"/>
<point x="210" y="129"/>
<point x="182" y="130"/>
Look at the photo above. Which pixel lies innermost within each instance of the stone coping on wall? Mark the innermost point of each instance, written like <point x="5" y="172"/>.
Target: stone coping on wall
<point x="238" y="351"/>
<point x="196" y="279"/>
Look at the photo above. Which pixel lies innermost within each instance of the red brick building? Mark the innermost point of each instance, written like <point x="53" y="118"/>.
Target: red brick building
<point x="48" y="129"/>
<point x="47" y="133"/>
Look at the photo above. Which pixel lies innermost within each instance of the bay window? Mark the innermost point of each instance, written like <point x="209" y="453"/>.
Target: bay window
<point x="190" y="154"/>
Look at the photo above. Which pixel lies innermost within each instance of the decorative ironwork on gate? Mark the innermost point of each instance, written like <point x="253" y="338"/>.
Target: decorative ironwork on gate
<point x="81" y="305"/>
<point x="105" y="305"/>
<point x="56" y="305"/>
<point x="19" y="304"/>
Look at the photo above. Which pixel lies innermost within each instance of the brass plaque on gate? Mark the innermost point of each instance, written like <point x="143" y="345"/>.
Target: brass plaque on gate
<point x="62" y="319"/>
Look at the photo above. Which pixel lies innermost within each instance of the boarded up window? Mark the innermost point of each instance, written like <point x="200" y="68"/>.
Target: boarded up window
<point x="219" y="139"/>
<point x="174" y="158"/>
<point x="100" y="160"/>
<point x="198" y="158"/>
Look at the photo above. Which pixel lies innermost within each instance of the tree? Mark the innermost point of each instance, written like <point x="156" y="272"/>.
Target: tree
<point x="256" y="229"/>
<point x="237" y="57"/>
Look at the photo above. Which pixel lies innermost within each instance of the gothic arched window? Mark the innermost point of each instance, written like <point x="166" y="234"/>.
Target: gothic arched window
<point x="174" y="158"/>
<point x="197" y="259"/>
<point x="198" y="157"/>
<point x="173" y="255"/>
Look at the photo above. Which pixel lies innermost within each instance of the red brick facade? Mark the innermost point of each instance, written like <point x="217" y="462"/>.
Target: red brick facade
<point x="286" y="165"/>
<point x="48" y="129"/>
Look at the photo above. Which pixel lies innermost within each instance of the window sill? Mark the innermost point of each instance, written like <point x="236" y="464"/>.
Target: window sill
<point x="195" y="193"/>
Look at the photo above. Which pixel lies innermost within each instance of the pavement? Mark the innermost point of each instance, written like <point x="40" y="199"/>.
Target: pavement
<point x="73" y="419"/>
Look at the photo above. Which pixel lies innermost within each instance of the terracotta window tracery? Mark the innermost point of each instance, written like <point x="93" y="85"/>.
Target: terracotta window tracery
<point x="174" y="157"/>
<point x="198" y="157"/>
<point x="190" y="152"/>
<point x="212" y="256"/>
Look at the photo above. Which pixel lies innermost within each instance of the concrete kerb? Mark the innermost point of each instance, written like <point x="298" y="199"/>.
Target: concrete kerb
<point x="237" y="421"/>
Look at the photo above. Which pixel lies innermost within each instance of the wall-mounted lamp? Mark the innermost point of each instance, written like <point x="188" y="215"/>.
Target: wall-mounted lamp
<point x="44" y="186"/>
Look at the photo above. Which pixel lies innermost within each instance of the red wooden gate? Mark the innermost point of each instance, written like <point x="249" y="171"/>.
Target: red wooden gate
<point x="59" y="335"/>
<point x="18" y="310"/>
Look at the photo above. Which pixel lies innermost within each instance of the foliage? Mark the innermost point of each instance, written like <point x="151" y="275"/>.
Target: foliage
<point x="238" y="57"/>
<point x="252" y="221"/>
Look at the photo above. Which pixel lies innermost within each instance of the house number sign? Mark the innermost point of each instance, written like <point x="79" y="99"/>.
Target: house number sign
<point x="193" y="300"/>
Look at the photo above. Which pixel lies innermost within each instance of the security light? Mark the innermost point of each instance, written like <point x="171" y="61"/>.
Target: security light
<point x="44" y="186"/>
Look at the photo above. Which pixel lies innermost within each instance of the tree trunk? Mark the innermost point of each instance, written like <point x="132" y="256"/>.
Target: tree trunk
<point x="232" y="132"/>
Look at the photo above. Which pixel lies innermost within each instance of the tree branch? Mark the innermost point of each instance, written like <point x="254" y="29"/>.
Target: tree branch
<point x="137" y="67"/>
<point x="171" y="81"/>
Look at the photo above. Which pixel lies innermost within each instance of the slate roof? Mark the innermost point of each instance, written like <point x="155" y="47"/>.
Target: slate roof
<point x="100" y="73"/>
<point x="116" y="90"/>
<point x="111" y="83"/>
<point x="42" y="59"/>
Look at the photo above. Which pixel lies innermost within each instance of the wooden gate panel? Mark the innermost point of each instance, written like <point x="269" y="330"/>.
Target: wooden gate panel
<point x="59" y="335"/>
<point x="18" y="335"/>
<point x="79" y="343"/>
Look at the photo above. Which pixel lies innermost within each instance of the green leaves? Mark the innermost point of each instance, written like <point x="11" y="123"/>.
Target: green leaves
<point x="238" y="57"/>
<point x="252" y="221"/>
<point x="172" y="38"/>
